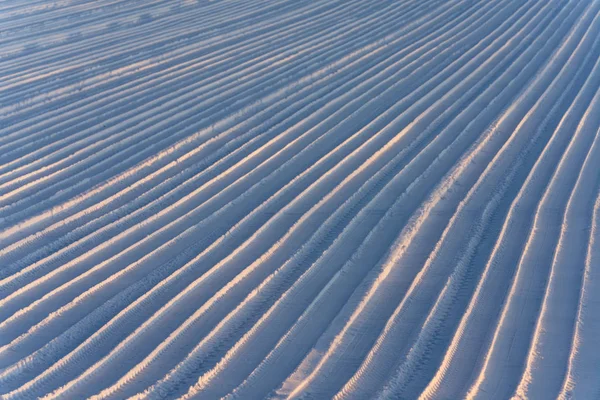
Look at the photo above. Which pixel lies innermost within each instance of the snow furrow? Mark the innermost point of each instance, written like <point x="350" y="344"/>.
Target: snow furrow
<point x="206" y="199"/>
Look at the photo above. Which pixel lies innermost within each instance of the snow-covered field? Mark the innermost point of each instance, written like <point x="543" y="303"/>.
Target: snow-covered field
<point x="317" y="199"/>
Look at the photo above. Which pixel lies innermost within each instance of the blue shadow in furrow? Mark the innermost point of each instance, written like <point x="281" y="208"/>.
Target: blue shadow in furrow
<point x="436" y="351"/>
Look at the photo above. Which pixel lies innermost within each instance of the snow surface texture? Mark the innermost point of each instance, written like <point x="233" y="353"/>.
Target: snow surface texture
<point x="300" y="199"/>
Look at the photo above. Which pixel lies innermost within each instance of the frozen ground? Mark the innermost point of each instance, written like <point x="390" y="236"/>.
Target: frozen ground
<point x="318" y="199"/>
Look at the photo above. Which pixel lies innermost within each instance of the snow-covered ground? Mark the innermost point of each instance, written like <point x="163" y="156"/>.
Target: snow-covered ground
<point x="305" y="199"/>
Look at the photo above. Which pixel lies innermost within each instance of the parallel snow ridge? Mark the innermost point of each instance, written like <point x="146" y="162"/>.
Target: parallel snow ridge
<point x="344" y="199"/>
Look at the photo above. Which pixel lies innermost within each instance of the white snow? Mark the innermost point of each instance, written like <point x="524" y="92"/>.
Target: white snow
<point x="321" y="199"/>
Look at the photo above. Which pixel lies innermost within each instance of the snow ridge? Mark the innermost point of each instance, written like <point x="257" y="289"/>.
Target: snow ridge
<point x="323" y="199"/>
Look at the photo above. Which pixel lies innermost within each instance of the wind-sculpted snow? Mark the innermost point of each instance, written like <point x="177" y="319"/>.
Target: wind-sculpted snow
<point x="344" y="199"/>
